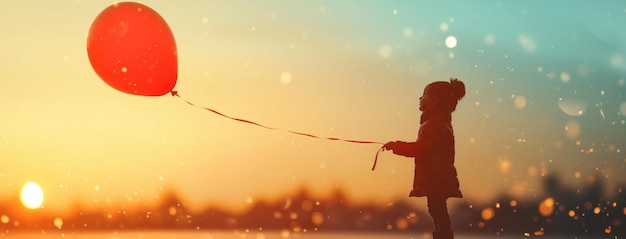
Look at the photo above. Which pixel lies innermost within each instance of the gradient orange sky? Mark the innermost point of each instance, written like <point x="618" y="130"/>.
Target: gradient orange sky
<point x="545" y="94"/>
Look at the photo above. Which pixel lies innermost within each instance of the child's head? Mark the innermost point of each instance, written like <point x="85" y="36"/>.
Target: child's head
<point x="442" y="95"/>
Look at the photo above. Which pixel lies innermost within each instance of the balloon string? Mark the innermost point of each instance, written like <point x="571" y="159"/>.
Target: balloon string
<point x="382" y="148"/>
<point x="175" y="93"/>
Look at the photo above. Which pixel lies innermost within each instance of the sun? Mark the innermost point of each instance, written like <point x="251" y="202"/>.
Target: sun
<point x="31" y="195"/>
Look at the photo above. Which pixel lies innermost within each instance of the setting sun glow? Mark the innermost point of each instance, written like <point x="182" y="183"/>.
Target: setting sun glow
<point x="31" y="195"/>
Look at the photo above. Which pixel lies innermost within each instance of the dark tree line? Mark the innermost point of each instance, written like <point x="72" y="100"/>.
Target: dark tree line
<point x="560" y="211"/>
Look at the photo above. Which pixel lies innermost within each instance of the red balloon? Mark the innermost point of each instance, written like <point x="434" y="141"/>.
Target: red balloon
<point x="132" y="49"/>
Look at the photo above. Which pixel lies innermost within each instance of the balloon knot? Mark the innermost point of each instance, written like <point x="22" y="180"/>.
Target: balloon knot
<point x="174" y="93"/>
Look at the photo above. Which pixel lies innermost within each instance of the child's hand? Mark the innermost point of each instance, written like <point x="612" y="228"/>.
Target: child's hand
<point x="389" y="145"/>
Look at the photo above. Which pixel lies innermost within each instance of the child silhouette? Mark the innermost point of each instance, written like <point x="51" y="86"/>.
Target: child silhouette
<point x="433" y="151"/>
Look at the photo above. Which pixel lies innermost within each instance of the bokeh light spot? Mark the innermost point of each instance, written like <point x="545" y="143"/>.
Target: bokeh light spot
<point x="443" y="26"/>
<point x="546" y="207"/>
<point x="622" y="109"/>
<point x="407" y="32"/>
<point x="573" y="107"/>
<point x="520" y="102"/>
<point x="385" y="51"/>
<point x="558" y="144"/>
<point x="451" y="42"/>
<point x="490" y="39"/>
<point x="597" y="210"/>
<point x="317" y="218"/>
<point x="505" y="165"/>
<point x="488" y="213"/>
<point x="565" y="77"/>
<point x="58" y="222"/>
<point x="172" y="211"/>
<point x="402" y="223"/>
<point x="616" y="60"/>
<point x="285" y="78"/>
<point x="527" y="43"/>
<point x="306" y="205"/>
<point x="571" y="213"/>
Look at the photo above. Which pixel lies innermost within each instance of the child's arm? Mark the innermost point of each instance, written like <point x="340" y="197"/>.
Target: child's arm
<point x="412" y="149"/>
<point x="407" y="149"/>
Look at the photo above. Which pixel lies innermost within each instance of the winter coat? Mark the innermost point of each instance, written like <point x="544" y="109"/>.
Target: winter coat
<point x="433" y="151"/>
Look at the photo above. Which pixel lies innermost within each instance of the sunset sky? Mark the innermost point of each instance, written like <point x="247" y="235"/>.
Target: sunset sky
<point x="546" y="93"/>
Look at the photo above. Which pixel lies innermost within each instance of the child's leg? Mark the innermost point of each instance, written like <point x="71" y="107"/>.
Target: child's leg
<point x="439" y="212"/>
